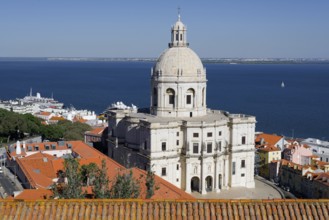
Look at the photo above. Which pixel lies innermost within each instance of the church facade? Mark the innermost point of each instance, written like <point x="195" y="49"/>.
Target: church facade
<point x="180" y="139"/>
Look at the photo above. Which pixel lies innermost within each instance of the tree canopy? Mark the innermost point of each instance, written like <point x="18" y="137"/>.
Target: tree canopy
<point x="74" y="177"/>
<point x="14" y="126"/>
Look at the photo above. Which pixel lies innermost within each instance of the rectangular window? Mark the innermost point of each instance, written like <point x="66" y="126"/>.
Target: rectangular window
<point x="195" y="148"/>
<point x="177" y="134"/>
<point x="188" y="99"/>
<point x="163" y="145"/>
<point x="195" y="135"/>
<point x="177" y="180"/>
<point x="177" y="37"/>
<point x="145" y="145"/>
<point x="171" y="99"/>
<point x="219" y="133"/>
<point x="243" y="163"/>
<point x="36" y="147"/>
<point x="177" y="167"/>
<point x="163" y="171"/>
<point x="233" y="168"/>
<point x="326" y="159"/>
<point x="209" y="134"/>
<point x="177" y="142"/>
<point x="243" y="140"/>
<point x="242" y="174"/>
<point x="181" y="37"/>
<point x="209" y="148"/>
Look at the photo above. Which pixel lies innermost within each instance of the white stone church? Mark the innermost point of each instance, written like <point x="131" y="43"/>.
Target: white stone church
<point x="194" y="148"/>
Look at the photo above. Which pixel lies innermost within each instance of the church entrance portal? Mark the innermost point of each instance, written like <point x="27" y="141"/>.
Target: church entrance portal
<point x="195" y="184"/>
<point x="209" y="183"/>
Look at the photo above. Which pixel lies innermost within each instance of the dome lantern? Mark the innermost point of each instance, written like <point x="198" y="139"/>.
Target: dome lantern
<point x="178" y="34"/>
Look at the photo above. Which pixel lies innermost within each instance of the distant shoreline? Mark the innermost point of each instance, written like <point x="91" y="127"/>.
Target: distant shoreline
<point x="231" y="61"/>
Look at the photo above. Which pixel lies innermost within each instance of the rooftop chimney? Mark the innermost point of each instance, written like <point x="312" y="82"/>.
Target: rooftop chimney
<point x="18" y="148"/>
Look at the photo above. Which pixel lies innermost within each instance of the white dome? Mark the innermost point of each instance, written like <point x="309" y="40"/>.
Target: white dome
<point x="179" y="60"/>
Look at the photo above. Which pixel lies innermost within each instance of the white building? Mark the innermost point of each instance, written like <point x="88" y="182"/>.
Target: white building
<point x="194" y="148"/>
<point x="318" y="147"/>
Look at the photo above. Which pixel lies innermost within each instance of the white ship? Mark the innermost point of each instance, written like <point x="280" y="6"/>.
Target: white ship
<point x="43" y="102"/>
<point x="32" y="104"/>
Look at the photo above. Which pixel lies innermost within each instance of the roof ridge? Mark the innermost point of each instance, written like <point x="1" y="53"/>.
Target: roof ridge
<point x="106" y="157"/>
<point x="231" y="201"/>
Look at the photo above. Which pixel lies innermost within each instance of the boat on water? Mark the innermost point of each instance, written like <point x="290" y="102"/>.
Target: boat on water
<point x="32" y="104"/>
<point x="43" y="102"/>
<point x="282" y="84"/>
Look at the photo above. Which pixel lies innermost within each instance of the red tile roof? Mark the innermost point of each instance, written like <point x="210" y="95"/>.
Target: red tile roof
<point x="321" y="163"/>
<point x="40" y="172"/>
<point x="291" y="164"/>
<point x="323" y="178"/>
<point x="39" y="169"/>
<point x="56" y="118"/>
<point x="170" y="209"/>
<point x="269" y="148"/>
<point x="96" y="131"/>
<point x="268" y="138"/>
<point x="44" y="113"/>
<point x="79" y="119"/>
<point x="166" y="189"/>
<point x="34" y="194"/>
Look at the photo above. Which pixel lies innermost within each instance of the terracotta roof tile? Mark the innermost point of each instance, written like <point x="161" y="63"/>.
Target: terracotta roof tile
<point x="44" y="113"/>
<point x="269" y="148"/>
<point x="38" y="168"/>
<point x="34" y="194"/>
<point x="268" y="138"/>
<point x="41" y="172"/>
<point x="57" y="118"/>
<point x="96" y="131"/>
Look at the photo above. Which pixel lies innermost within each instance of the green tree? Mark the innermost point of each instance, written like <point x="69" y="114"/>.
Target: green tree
<point x="101" y="184"/>
<point x="72" y="189"/>
<point x="150" y="184"/>
<point x="52" y="132"/>
<point x="89" y="173"/>
<point x="125" y="186"/>
<point x="14" y="126"/>
<point x="73" y="131"/>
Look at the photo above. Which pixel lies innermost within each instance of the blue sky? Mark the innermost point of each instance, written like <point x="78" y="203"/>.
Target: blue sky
<point x="130" y="28"/>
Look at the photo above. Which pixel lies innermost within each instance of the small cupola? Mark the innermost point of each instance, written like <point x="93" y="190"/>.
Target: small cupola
<point x="178" y="34"/>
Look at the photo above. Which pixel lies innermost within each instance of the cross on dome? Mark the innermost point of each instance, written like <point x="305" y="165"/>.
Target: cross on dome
<point x="178" y="13"/>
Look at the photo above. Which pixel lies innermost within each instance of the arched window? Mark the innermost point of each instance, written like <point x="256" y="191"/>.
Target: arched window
<point x="171" y="96"/>
<point x="190" y="95"/>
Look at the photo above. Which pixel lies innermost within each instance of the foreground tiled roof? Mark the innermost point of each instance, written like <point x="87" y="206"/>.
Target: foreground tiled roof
<point x="179" y="209"/>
